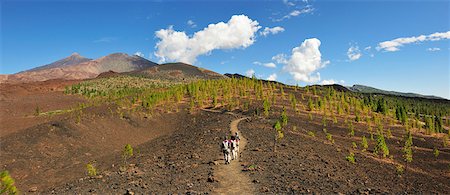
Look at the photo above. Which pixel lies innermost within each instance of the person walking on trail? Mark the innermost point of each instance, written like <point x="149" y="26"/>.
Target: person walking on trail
<point x="236" y="137"/>
<point x="225" y="146"/>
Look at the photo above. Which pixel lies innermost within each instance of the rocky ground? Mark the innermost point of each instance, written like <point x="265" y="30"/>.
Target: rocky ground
<point x="178" y="152"/>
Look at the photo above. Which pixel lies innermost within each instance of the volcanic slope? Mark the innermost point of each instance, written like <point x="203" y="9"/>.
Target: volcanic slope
<point x="177" y="72"/>
<point x="76" y="67"/>
<point x="177" y="143"/>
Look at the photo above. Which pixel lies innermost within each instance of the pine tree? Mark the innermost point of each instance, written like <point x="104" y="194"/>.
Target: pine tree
<point x="310" y="104"/>
<point x="266" y="107"/>
<point x="284" y="118"/>
<point x="381" y="145"/>
<point x="364" y="143"/>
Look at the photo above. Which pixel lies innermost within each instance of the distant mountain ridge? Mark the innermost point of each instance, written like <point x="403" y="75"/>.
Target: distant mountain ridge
<point x="76" y="67"/>
<point x="372" y="90"/>
<point x="75" y="58"/>
<point x="177" y="72"/>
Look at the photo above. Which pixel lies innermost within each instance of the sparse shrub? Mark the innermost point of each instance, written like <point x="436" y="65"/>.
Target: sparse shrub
<point x="277" y="126"/>
<point x="351" y="129"/>
<point x="278" y="135"/>
<point x="354" y="146"/>
<point x="312" y="134"/>
<point x="357" y="118"/>
<point x="7" y="184"/>
<point x="191" y="105"/>
<point x="351" y="158"/>
<point x="436" y="152"/>
<point x="364" y="143"/>
<point x="445" y="140"/>
<point x="335" y="120"/>
<point x="127" y="153"/>
<point x="400" y="169"/>
<point x="37" y="111"/>
<point x="91" y="170"/>
<point x="389" y="134"/>
<point x="330" y="138"/>
<point x="310" y="116"/>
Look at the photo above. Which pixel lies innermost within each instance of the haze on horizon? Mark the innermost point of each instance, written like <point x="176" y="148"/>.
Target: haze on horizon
<point x="390" y="45"/>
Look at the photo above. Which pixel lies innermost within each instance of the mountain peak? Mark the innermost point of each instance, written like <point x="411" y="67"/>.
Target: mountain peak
<point x="75" y="54"/>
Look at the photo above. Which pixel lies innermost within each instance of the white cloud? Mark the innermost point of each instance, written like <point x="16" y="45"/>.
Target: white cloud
<point x="250" y="73"/>
<point x="353" y="53"/>
<point x="191" y="24"/>
<point x="305" y="61"/>
<point x="274" y="30"/>
<point x="140" y="54"/>
<point x="238" y="32"/>
<point x="434" y="49"/>
<point x="306" y="10"/>
<point x="272" y="77"/>
<point x="280" y="58"/>
<point x="368" y="48"/>
<point x="289" y="3"/>
<point x="268" y="65"/>
<point x="394" y="45"/>
<point x="331" y="82"/>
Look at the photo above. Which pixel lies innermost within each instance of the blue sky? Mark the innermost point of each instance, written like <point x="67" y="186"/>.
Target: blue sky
<point x="35" y="33"/>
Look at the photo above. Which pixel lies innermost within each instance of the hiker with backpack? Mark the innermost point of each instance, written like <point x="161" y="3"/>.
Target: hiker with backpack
<point x="225" y="146"/>
<point x="237" y="139"/>
<point x="233" y="147"/>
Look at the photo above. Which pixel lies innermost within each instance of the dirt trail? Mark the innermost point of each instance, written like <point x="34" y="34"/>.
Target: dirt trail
<point x="231" y="179"/>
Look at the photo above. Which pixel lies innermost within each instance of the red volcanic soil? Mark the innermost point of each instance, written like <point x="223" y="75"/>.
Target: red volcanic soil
<point x="18" y="103"/>
<point x="178" y="151"/>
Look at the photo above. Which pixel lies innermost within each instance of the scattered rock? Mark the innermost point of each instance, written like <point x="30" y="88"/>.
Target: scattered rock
<point x="264" y="189"/>
<point x="129" y="192"/>
<point x="211" y="178"/>
<point x="213" y="163"/>
<point x="33" y="189"/>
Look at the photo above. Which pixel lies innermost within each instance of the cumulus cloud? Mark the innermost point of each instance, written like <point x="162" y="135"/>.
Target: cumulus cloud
<point x="250" y="73"/>
<point x="304" y="61"/>
<point x="331" y="82"/>
<point x="140" y="54"/>
<point x="238" y="32"/>
<point x="268" y="65"/>
<point x="353" y="53"/>
<point x="274" y="30"/>
<point x="280" y="58"/>
<point x="394" y="45"/>
<point x="272" y="77"/>
<point x="294" y="13"/>
<point x="434" y="49"/>
<point x="191" y="24"/>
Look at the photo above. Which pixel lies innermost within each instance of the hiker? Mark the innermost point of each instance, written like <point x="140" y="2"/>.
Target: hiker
<point x="225" y="146"/>
<point x="236" y="136"/>
<point x="233" y="147"/>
